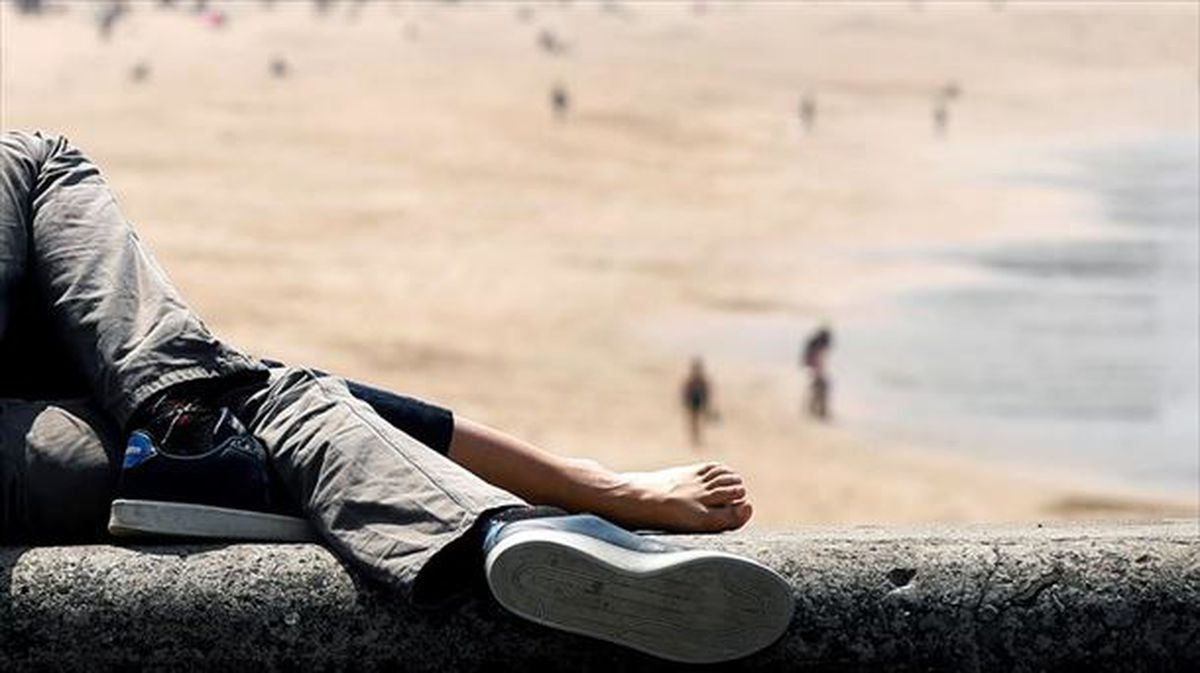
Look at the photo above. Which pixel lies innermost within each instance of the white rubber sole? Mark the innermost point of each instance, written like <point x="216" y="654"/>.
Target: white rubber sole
<point x="177" y="519"/>
<point x="692" y="606"/>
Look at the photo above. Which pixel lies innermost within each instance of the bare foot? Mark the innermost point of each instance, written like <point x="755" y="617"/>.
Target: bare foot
<point x="701" y="498"/>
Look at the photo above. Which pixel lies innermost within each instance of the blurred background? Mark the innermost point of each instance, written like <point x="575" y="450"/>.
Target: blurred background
<point x="895" y="261"/>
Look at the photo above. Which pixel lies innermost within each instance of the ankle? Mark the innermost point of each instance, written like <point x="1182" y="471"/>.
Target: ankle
<point x="593" y="483"/>
<point x="226" y="391"/>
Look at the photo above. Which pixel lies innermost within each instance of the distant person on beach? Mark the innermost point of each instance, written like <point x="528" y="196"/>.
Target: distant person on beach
<point x="948" y="93"/>
<point x="560" y="102"/>
<point x="121" y="412"/>
<point x="941" y="116"/>
<point x="107" y="17"/>
<point x="140" y="72"/>
<point x="30" y="6"/>
<point x="550" y="43"/>
<point x="215" y="19"/>
<point x="696" y="394"/>
<point x="813" y="359"/>
<point x="279" y="67"/>
<point x="808" y="112"/>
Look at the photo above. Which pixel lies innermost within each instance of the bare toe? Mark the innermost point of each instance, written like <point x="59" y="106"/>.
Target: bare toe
<point x="730" y="479"/>
<point x="729" y="517"/>
<point x="723" y="495"/>
<point x="741" y="514"/>
<point x="716" y="471"/>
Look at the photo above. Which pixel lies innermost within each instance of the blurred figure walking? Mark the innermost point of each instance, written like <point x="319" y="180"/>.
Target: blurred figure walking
<point x="812" y="359"/>
<point x="697" y="401"/>
<point x="30" y="6"/>
<point x="942" y="99"/>
<point x="808" y="112"/>
<point x="550" y="43"/>
<point x="941" y="116"/>
<point x="279" y="67"/>
<point x="140" y="72"/>
<point x="107" y="17"/>
<point x="560" y="101"/>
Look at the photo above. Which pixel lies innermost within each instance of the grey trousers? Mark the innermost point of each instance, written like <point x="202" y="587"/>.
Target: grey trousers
<point x="85" y="309"/>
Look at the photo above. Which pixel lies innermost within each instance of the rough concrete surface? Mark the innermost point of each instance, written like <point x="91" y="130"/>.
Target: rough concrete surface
<point x="1119" y="597"/>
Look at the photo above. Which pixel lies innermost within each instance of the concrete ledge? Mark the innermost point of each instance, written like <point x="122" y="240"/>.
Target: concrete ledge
<point x="1104" y="597"/>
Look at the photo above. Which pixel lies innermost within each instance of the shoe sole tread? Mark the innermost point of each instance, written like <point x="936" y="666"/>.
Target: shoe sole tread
<point x="691" y="606"/>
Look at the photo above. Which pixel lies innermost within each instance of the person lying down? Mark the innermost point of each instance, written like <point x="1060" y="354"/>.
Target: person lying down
<point x="121" y="414"/>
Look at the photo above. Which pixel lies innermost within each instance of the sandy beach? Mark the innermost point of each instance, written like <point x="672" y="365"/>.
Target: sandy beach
<point x="404" y="209"/>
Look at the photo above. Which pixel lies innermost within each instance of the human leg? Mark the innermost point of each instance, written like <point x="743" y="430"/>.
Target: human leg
<point x="820" y="396"/>
<point x="377" y="496"/>
<point x="702" y="497"/>
<point x="695" y="431"/>
<point x="427" y="423"/>
<point x="387" y="504"/>
<point x="705" y="497"/>
<point x="128" y="331"/>
<point x="133" y="338"/>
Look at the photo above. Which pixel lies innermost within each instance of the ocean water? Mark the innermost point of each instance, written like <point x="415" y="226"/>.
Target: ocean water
<point x="1081" y="355"/>
<point x="1077" y="355"/>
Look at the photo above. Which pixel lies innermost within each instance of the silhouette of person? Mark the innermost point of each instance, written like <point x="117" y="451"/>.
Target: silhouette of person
<point x="30" y="6"/>
<point x="215" y="19"/>
<point x="140" y="72"/>
<point x="108" y="16"/>
<point x="550" y="43"/>
<point x="560" y="101"/>
<point x="812" y="359"/>
<point x="941" y="116"/>
<point x="221" y="444"/>
<point x="697" y="401"/>
<point x="808" y="112"/>
<point x="279" y="67"/>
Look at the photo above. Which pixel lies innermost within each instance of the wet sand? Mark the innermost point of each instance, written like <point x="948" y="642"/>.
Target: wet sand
<point x="403" y="208"/>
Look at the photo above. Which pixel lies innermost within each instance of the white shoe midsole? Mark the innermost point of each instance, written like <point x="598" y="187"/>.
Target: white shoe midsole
<point x="180" y="519"/>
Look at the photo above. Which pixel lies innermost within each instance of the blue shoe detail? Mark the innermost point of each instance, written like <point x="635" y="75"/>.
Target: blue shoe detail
<point x="138" y="450"/>
<point x="223" y="465"/>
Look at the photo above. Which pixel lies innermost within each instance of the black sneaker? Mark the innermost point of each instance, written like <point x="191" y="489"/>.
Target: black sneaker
<point x="585" y="575"/>
<point x="197" y="472"/>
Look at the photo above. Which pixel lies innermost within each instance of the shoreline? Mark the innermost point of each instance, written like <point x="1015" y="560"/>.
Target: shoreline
<point x="1070" y="491"/>
<point x="1030" y="492"/>
<point x="1056" y="438"/>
